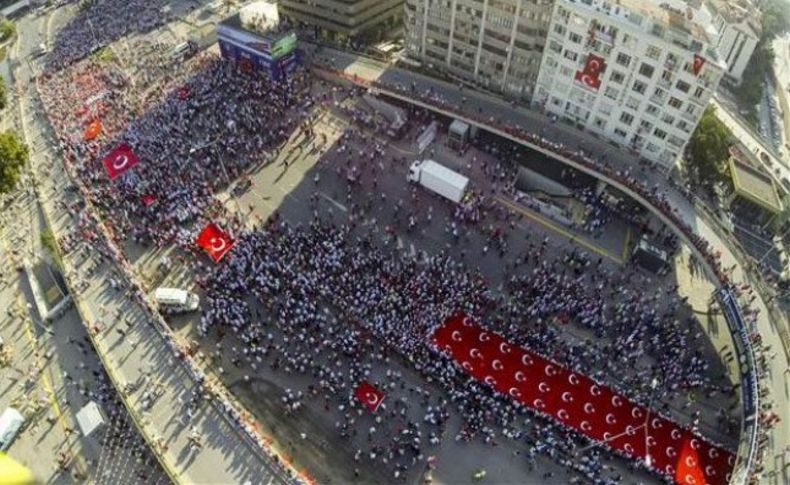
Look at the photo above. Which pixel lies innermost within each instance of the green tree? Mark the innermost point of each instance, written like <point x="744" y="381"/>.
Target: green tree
<point x="13" y="157"/>
<point x="7" y="29"/>
<point x="707" y="151"/>
<point x="3" y="98"/>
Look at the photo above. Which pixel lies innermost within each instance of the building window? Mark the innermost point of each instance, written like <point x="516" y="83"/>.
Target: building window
<point x="599" y="123"/>
<point x="653" y="52"/>
<point x="675" y="102"/>
<point x="683" y="86"/>
<point x="691" y="109"/>
<point x="624" y="59"/>
<point x="555" y="46"/>
<point x="668" y="119"/>
<point x="575" y="38"/>
<point x="652" y="110"/>
<point x="645" y="125"/>
<point x="646" y="70"/>
<point x="626" y="118"/>
<point x="684" y="126"/>
<point x="639" y="87"/>
<point x="617" y="77"/>
<point x="659" y="133"/>
<point x="611" y="92"/>
<point x="698" y="92"/>
<point x="620" y="133"/>
<point x="559" y="29"/>
<point x="632" y="103"/>
<point x="571" y="55"/>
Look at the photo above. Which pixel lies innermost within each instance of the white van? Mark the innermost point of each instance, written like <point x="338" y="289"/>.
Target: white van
<point x="176" y="300"/>
<point x="11" y="422"/>
<point x="180" y="51"/>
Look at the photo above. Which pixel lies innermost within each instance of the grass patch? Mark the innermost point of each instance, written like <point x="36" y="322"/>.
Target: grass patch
<point x="105" y="54"/>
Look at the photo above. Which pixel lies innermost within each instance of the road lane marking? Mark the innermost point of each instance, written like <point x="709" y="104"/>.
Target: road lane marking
<point x="333" y="201"/>
<point x="575" y="238"/>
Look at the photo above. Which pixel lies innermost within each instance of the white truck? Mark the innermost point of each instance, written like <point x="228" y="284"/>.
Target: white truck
<point x="439" y="179"/>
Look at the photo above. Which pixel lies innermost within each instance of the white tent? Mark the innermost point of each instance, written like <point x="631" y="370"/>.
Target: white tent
<point x="90" y="418"/>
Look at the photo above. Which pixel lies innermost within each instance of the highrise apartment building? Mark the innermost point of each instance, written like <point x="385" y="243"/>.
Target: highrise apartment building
<point x="496" y="44"/>
<point x="345" y="19"/>
<point x="635" y="72"/>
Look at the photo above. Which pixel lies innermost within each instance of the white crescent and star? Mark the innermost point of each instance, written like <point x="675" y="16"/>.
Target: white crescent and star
<point x="497" y="364"/>
<point x="218" y="244"/>
<point x="120" y="161"/>
<point x="456" y="335"/>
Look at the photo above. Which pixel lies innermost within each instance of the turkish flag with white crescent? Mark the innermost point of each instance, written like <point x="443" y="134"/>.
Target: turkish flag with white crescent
<point x="369" y="395"/>
<point x="590" y="76"/>
<point x="119" y="160"/>
<point x="699" y="61"/>
<point x="214" y="241"/>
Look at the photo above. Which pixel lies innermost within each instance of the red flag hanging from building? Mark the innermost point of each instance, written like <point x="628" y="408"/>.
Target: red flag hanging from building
<point x="214" y="241"/>
<point x="369" y="395"/>
<point x="590" y="76"/>
<point x="118" y="161"/>
<point x="699" y="61"/>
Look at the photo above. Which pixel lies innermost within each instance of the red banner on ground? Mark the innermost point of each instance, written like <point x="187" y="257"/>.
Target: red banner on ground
<point x="591" y="74"/>
<point x="369" y="395"/>
<point x="214" y="241"/>
<point x="582" y="404"/>
<point x="118" y="161"/>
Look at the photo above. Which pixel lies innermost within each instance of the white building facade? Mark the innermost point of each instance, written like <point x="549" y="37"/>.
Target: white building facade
<point x="494" y="44"/>
<point x="633" y="72"/>
<point x="735" y="31"/>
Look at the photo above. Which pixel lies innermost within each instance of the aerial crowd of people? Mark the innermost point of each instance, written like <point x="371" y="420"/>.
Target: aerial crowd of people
<point x="323" y="299"/>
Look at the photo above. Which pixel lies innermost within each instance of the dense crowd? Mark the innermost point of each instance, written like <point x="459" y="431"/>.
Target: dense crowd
<point x="100" y="22"/>
<point x="326" y="301"/>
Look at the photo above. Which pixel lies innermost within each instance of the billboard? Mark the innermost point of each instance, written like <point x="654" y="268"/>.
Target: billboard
<point x="284" y="46"/>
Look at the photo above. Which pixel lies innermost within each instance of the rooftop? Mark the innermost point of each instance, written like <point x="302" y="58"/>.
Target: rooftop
<point x="671" y="24"/>
<point x="752" y="183"/>
<point x="259" y="18"/>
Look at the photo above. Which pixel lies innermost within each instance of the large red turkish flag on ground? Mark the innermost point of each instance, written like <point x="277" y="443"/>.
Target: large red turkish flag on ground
<point x="579" y="402"/>
<point x="118" y="161"/>
<point x="214" y="241"/>
<point x="369" y="395"/>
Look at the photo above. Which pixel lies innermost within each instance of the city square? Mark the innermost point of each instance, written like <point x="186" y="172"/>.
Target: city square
<point x="267" y="260"/>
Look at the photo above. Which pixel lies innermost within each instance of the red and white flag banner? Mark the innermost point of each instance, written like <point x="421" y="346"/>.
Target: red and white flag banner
<point x="369" y="395"/>
<point x="119" y="160"/>
<point x="578" y="402"/>
<point x="214" y="241"/>
<point x="590" y="76"/>
<point x="699" y="61"/>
